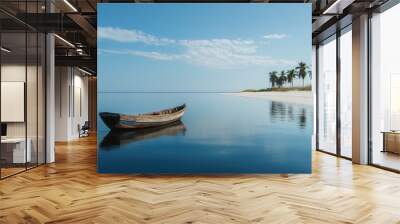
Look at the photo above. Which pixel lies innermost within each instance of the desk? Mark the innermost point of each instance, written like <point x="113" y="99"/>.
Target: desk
<point x="391" y="141"/>
<point x="15" y="148"/>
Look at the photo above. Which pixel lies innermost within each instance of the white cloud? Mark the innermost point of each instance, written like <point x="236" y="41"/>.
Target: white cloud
<point x="216" y="52"/>
<point x="147" y="54"/>
<point x="124" y="35"/>
<point x="276" y="36"/>
<point x="211" y="53"/>
<point x="207" y="57"/>
<point x="225" y="53"/>
<point x="236" y="45"/>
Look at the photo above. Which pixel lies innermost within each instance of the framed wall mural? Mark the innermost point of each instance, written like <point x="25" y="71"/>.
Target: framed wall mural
<point x="204" y="88"/>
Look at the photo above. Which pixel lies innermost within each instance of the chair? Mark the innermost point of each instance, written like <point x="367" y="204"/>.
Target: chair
<point x="84" y="130"/>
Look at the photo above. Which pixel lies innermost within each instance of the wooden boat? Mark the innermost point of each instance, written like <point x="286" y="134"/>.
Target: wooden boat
<point x="118" y="137"/>
<point x="153" y="119"/>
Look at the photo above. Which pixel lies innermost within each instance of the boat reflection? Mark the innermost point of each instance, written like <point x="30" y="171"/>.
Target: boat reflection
<point x="280" y="112"/>
<point x="116" y="138"/>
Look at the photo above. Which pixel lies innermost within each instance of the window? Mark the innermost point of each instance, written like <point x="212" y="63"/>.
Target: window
<point x="385" y="89"/>
<point x="327" y="95"/>
<point x="346" y="92"/>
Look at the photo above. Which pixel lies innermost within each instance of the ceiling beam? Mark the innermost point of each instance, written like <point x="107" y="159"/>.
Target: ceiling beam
<point x="84" y="24"/>
<point x="77" y="61"/>
<point x="49" y="22"/>
<point x="338" y="6"/>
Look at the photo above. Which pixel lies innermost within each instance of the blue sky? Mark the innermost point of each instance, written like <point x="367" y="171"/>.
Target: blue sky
<point x="199" y="47"/>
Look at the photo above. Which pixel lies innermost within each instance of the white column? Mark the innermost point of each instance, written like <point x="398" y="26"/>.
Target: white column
<point x="50" y="99"/>
<point x="360" y="90"/>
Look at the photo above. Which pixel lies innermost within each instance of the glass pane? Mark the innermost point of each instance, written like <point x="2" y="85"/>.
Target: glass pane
<point x="13" y="79"/>
<point x="327" y="96"/>
<point x="346" y="93"/>
<point x="386" y="89"/>
<point x="23" y="90"/>
<point x="31" y="98"/>
<point x="41" y="98"/>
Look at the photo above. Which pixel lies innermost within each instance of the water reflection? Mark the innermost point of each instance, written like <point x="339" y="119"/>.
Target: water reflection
<point x="117" y="138"/>
<point x="287" y="112"/>
<point x="302" y="118"/>
<point x="290" y="113"/>
<point x="223" y="134"/>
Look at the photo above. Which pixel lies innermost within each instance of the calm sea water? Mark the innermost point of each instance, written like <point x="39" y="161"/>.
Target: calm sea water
<point x="218" y="134"/>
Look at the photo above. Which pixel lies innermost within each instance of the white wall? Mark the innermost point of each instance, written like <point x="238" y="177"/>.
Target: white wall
<point x="62" y="82"/>
<point x="70" y="84"/>
<point x="12" y="73"/>
<point x="17" y="73"/>
<point x="33" y="126"/>
<point x="79" y="117"/>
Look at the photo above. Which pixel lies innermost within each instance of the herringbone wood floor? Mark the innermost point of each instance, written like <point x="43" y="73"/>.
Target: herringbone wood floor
<point x="70" y="191"/>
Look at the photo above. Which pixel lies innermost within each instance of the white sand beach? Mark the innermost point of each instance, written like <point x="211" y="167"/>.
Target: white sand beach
<point x="297" y="97"/>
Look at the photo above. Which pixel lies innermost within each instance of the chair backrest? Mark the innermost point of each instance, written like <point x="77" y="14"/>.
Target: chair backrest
<point x="86" y="125"/>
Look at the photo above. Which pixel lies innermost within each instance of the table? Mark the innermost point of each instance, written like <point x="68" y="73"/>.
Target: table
<point x="13" y="150"/>
<point x="391" y="141"/>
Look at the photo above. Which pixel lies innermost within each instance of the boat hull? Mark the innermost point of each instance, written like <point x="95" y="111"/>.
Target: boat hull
<point x="154" y="119"/>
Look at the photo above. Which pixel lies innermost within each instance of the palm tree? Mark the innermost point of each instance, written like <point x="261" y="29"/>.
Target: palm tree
<point x="282" y="79"/>
<point x="291" y="75"/>
<point x="273" y="78"/>
<point x="302" y="71"/>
